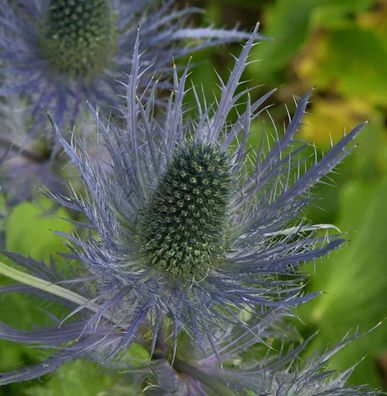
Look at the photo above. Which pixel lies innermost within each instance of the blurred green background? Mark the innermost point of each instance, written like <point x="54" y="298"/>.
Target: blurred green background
<point x="340" y="48"/>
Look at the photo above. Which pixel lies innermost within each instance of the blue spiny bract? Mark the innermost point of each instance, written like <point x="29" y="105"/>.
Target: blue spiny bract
<point x="183" y="227"/>
<point x="78" y="37"/>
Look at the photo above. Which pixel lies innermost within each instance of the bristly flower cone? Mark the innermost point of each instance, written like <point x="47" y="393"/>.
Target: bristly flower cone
<point x="78" y="37"/>
<point x="183" y="227"/>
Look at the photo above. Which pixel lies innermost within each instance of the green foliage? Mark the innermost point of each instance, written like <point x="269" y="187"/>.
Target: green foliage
<point x="83" y="378"/>
<point x="289" y="24"/>
<point x="354" y="282"/>
<point x="29" y="230"/>
<point x="340" y="47"/>
<point x="362" y="54"/>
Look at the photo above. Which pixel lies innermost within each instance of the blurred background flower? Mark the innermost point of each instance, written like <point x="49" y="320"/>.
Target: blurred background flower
<point x="58" y="53"/>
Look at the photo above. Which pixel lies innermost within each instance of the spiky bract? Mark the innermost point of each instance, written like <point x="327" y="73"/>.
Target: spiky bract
<point x="266" y="237"/>
<point x="27" y="159"/>
<point x="78" y="38"/>
<point x="261" y="373"/>
<point x="182" y="229"/>
<point x="61" y="52"/>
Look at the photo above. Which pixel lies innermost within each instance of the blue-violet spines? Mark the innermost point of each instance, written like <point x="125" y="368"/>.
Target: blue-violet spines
<point x="78" y="37"/>
<point x="183" y="227"/>
<point x="147" y="275"/>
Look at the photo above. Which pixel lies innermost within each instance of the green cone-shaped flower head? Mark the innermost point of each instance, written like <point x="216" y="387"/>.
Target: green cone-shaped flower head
<point x="183" y="227"/>
<point x="78" y="37"/>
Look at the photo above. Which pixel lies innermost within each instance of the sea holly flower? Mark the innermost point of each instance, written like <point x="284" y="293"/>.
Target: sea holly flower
<point x="61" y="52"/>
<point x="189" y="229"/>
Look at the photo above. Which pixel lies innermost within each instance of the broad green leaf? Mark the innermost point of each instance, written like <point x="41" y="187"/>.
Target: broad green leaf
<point x="355" y="283"/>
<point x="30" y="229"/>
<point x="137" y="355"/>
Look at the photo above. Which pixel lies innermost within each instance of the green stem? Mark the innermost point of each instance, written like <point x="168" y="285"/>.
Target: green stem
<point x="47" y="286"/>
<point x="55" y="290"/>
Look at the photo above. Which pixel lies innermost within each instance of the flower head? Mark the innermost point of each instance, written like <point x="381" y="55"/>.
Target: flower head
<point x="181" y="229"/>
<point x="190" y="229"/>
<point x="78" y="38"/>
<point x="60" y="52"/>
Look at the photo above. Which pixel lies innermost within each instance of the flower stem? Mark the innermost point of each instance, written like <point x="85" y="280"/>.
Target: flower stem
<point x="212" y="383"/>
<point x="47" y="287"/>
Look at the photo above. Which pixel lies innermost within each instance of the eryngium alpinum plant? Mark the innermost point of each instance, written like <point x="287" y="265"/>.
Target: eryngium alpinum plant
<point x="61" y="52"/>
<point x="190" y="233"/>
